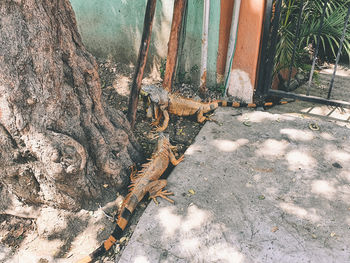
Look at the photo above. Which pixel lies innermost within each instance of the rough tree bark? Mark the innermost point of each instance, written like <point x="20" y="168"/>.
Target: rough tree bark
<point x="58" y="145"/>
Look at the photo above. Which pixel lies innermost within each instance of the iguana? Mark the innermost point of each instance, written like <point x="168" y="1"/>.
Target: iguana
<point x="145" y="181"/>
<point x="163" y="103"/>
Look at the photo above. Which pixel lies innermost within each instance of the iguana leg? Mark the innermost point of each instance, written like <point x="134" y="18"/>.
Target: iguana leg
<point x="155" y="189"/>
<point x="157" y="115"/>
<point x="165" y="123"/>
<point x="200" y="117"/>
<point x="173" y="158"/>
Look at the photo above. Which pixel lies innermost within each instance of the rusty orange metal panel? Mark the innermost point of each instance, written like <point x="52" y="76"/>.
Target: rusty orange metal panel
<point x="173" y="44"/>
<point x="226" y="10"/>
<point x="248" y="38"/>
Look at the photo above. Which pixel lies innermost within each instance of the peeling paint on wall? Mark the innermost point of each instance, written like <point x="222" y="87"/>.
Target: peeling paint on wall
<point x="240" y="86"/>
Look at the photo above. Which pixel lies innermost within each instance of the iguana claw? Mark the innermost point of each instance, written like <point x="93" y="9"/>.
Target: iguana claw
<point x="155" y="123"/>
<point x="163" y="194"/>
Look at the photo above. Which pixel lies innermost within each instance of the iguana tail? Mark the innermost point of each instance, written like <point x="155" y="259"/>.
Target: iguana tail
<point x="126" y="210"/>
<point x="111" y="240"/>
<point x="235" y="104"/>
<point x="206" y="107"/>
<point x="142" y="182"/>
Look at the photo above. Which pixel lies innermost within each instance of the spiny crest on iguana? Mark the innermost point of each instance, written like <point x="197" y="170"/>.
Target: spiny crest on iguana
<point x="143" y="182"/>
<point x="163" y="103"/>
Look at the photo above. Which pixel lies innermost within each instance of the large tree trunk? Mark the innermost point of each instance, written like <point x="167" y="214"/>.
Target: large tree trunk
<point x="58" y="146"/>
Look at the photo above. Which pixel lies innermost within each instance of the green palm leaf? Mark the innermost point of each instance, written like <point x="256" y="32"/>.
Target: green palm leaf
<point x="330" y="33"/>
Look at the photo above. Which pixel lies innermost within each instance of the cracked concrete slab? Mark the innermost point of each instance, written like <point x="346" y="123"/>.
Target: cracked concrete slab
<point x="261" y="187"/>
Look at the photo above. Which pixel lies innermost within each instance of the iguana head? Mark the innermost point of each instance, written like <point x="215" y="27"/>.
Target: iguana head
<point x="156" y="94"/>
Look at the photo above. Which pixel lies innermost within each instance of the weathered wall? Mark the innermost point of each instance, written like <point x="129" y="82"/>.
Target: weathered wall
<point x="190" y="53"/>
<point x="113" y="28"/>
<point x="224" y="35"/>
<point x="244" y="67"/>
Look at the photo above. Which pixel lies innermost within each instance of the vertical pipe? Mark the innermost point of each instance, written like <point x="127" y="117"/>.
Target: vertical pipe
<point x="233" y="37"/>
<point x="339" y="52"/>
<point x="317" y="47"/>
<point x="263" y="52"/>
<point x="173" y="45"/>
<point x="141" y="61"/>
<point x="272" y="49"/>
<point x="297" y="31"/>
<point x="204" y="55"/>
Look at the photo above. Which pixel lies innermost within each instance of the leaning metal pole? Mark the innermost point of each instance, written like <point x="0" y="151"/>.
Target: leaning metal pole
<point x="339" y="53"/>
<point x="141" y="61"/>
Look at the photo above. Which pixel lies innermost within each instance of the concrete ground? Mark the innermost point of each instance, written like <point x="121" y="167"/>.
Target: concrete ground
<point x="261" y="187"/>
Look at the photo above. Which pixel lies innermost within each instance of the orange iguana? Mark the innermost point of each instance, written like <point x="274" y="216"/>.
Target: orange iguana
<point x="145" y="181"/>
<point x="164" y="103"/>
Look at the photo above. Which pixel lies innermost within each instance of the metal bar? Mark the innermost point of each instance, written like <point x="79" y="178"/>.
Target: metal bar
<point x="173" y="44"/>
<point x="231" y="49"/>
<point x="233" y="37"/>
<point x="272" y="51"/>
<point x="297" y="32"/>
<point x="141" y="61"/>
<point x="263" y="52"/>
<point x="339" y="53"/>
<point x="333" y="109"/>
<point x="317" y="46"/>
<point x="284" y="94"/>
<point x="204" y="48"/>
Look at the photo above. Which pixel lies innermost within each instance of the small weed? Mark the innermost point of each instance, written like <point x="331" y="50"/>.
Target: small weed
<point x="221" y="88"/>
<point x="218" y="88"/>
<point x="306" y="67"/>
<point x="316" y="78"/>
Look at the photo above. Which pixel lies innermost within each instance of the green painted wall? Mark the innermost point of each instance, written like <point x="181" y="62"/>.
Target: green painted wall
<point x="190" y="58"/>
<point x="113" y="28"/>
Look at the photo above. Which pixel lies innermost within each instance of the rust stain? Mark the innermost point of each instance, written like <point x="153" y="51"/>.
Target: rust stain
<point x="204" y="77"/>
<point x="226" y="10"/>
<point x="203" y="87"/>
